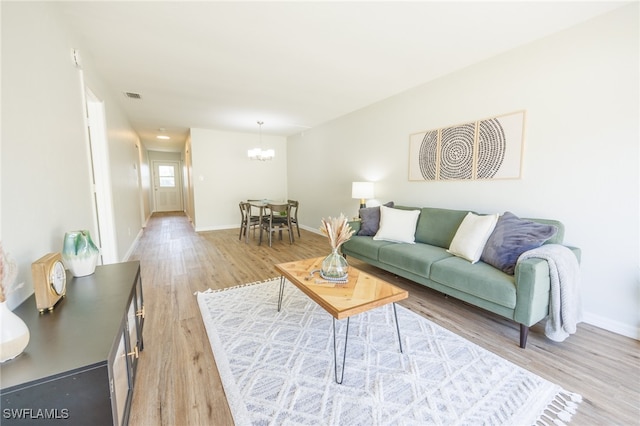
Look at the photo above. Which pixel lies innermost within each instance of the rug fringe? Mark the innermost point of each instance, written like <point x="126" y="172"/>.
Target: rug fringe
<point x="560" y="410"/>
<point x="209" y="290"/>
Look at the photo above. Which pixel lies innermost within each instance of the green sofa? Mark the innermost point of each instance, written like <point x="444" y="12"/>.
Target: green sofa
<point x="522" y="297"/>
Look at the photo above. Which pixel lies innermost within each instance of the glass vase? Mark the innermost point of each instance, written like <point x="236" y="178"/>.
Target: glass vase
<point x="334" y="267"/>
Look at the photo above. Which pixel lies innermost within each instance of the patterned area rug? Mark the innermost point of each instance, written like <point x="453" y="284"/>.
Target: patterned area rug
<point x="278" y="368"/>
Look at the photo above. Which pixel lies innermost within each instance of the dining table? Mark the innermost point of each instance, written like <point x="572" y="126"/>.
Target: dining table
<point x="261" y="205"/>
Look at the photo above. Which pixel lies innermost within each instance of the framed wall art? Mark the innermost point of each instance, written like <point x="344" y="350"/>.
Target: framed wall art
<point x="490" y="148"/>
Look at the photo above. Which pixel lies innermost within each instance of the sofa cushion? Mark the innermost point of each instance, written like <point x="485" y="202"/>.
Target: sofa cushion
<point x="472" y="235"/>
<point x="512" y="237"/>
<point x="558" y="238"/>
<point x="397" y="225"/>
<point x="415" y="258"/>
<point x="438" y="226"/>
<point x="370" y="219"/>
<point x="364" y="246"/>
<point x="479" y="279"/>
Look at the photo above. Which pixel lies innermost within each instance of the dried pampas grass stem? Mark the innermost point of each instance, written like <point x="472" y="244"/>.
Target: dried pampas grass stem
<point x="8" y="273"/>
<point x="337" y="229"/>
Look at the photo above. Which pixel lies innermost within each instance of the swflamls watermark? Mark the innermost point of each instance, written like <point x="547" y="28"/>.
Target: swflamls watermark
<point x="35" y="413"/>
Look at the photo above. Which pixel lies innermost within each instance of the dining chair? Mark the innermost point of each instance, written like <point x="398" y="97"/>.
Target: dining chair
<point x="248" y="221"/>
<point x="294" y="214"/>
<point x="252" y="206"/>
<point x="276" y="218"/>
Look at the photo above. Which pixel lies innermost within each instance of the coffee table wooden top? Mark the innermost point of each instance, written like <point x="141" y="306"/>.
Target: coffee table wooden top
<point x="361" y="293"/>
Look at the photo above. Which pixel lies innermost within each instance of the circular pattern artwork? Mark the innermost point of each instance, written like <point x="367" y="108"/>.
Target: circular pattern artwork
<point x="455" y="156"/>
<point x="491" y="148"/>
<point x="427" y="157"/>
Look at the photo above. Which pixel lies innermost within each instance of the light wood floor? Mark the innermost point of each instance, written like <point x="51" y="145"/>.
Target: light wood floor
<point x="178" y="383"/>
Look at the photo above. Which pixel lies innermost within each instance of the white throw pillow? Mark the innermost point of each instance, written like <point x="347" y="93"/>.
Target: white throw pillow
<point x="398" y="226"/>
<point x="472" y="235"/>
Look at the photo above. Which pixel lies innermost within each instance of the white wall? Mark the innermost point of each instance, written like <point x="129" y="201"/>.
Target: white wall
<point x="223" y="175"/>
<point x="45" y="162"/>
<point x="580" y="90"/>
<point x="41" y="137"/>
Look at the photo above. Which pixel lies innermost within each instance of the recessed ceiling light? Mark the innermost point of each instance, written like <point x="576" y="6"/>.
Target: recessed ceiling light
<point x="163" y="137"/>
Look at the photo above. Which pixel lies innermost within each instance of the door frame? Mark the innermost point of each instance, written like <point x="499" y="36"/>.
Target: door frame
<point x="100" y="170"/>
<point x="178" y="176"/>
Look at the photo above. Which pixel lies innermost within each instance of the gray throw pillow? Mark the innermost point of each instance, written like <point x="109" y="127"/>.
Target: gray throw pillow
<point x="370" y="220"/>
<point x="511" y="237"/>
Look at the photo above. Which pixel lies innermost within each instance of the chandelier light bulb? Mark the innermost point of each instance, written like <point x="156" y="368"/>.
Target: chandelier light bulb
<point x="259" y="153"/>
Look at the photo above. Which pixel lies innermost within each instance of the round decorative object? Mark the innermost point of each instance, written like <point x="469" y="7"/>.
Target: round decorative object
<point x="14" y="335"/>
<point x="79" y="253"/>
<point x="428" y="155"/>
<point x="58" y="279"/>
<point x="49" y="281"/>
<point x="456" y="157"/>
<point x="334" y="267"/>
<point x="492" y="144"/>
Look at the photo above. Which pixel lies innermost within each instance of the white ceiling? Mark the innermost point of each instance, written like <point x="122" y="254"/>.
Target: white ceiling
<point x="293" y="65"/>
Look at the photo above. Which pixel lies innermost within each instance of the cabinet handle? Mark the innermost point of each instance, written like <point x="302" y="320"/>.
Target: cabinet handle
<point x="140" y="312"/>
<point x="135" y="353"/>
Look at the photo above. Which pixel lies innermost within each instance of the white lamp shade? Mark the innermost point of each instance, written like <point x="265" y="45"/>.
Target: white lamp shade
<point x="362" y="190"/>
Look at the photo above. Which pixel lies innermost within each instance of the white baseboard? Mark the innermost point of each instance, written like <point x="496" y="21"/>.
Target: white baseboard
<point x="221" y="227"/>
<point x="612" y="325"/>
<point x="215" y="228"/>
<point x="314" y="230"/>
<point x="133" y="246"/>
<point x="190" y="219"/>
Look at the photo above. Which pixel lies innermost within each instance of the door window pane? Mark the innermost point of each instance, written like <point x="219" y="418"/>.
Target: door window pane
<point x="166" y="176"/>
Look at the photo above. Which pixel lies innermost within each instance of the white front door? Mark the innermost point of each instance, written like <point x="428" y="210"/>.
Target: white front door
<point x="167" y="186"/>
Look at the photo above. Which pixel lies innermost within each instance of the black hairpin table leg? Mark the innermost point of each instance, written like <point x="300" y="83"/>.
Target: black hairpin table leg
<point x="282" y="279"/>
<point x="395" y="314"/>
<point x="335" y="351"/>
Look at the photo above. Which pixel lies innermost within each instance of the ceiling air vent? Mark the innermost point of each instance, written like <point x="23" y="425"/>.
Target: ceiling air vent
<point x="132" y="95"/>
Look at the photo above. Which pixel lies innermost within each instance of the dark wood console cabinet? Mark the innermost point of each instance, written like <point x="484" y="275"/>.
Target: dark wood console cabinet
<point x="80" y="364"/>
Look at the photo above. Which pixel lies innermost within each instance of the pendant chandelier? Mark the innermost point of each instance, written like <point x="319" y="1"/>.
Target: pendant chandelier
<point x="259" y="153"/>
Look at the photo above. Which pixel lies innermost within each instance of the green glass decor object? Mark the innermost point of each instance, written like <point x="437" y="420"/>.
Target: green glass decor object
<point x="334" y="267"/>
<point x="79" y="253"/>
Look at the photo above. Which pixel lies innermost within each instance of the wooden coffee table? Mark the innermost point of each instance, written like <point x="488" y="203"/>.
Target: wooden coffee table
<point x="362" y="292"/>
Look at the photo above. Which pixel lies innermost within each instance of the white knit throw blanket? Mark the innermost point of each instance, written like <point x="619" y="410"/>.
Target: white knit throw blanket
<point x="564" y="301"/>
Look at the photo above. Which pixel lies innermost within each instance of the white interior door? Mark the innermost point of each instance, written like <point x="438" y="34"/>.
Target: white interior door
<point x="167" y="186"/>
